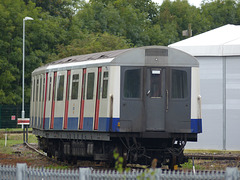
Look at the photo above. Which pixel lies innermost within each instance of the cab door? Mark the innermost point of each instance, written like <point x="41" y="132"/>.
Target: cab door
<point x="178" y="100"/>
<point x="155" y="99"/>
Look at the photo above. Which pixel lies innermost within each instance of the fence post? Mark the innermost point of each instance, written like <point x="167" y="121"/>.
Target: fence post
<point x="231" y="173"/>
<point x="21" y="171"/>
<point x="84" y="173"/>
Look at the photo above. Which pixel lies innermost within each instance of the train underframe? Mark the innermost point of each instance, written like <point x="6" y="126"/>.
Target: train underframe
<point x="133" y="147"/>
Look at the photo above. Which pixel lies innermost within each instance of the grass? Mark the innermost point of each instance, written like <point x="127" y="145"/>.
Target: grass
<point x="13" y="139"/>
<point x="13" y="129"/>
<point x="189" y="165"/>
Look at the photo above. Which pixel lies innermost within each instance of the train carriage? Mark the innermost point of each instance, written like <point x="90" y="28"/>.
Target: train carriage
<point x="145" y="102"/>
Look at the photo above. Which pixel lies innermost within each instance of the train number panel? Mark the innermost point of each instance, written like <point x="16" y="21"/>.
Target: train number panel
<point x="142" y="102"/>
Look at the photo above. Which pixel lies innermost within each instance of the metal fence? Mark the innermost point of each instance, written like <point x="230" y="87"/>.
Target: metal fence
<point x="22" y="172"/>
<point x="10" y="113"/>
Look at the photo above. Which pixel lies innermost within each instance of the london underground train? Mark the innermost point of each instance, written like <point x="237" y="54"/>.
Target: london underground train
<point x="143" y="102"/>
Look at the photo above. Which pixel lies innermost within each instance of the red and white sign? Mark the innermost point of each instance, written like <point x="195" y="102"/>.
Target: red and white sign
<point x="23" y="121"/>
<point x="13" y="117"/>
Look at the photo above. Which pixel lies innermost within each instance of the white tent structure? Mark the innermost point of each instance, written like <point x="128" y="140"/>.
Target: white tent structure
<point x="218" y="53"/>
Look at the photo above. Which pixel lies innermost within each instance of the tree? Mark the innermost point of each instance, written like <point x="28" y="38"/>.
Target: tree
<point x="69" y="27"/>
<point x="180" y="14"/>
<point x="220" y="12"/>
<point x="90" y="44"/>
<point x="42" y="36"/>
<point x="62" y="8"/>
<point x="115" y="17"/>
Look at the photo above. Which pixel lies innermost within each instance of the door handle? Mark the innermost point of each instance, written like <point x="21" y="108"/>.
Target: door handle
<point x="166" y="100"/>
<point x="148" y="92"/>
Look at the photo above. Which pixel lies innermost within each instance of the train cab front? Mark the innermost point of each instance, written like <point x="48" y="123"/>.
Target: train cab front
<point x="161" y="102"/>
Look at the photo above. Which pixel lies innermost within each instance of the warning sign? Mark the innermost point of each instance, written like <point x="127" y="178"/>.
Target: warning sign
<point x="23" y="121"/>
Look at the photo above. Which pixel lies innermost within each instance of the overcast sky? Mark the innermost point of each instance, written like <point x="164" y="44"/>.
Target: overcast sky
<point x="192" y="2"/>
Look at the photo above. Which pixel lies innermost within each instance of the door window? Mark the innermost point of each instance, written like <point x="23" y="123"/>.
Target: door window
<point x="105" y="85"/>
<point x="40" y="92"/>
<point x="179" y="84"/>
<point x="50" y="85"/>
<point x="90" y="85"/>
<point x="156" y="83"/>
<point x="60" y="87"/>
<point x="33" y="97"/>
<point x="75" y="82"/>
<point x="132" y="80"/>
<point x="37" y="90"/>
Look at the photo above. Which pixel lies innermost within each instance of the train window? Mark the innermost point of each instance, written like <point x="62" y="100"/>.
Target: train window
<point x="40" y="94"/>
<point x="132" y="83"/>
<point x="68" y="83"/>
<point x="37" y="90"/>
<point x="90" y="85"/>
<point x="105" y="85"/>
<point x="33" y="98"/>
<point x="49" y="93"/>
<point x="179" y="84"/>
<point x="43" y="89"/>
<point x="75" y="82"/>
<point x="156" y="83"/>
<point x="60" y="87"/>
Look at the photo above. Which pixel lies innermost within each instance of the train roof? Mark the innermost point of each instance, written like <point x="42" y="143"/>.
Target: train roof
<point x="142" y="56"/>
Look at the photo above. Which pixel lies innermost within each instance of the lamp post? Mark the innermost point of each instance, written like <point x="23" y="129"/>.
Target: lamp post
<point x="25" y="19"/>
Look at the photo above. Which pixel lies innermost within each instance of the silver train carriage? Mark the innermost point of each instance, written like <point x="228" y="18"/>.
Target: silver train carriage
<point x="143" y="102"/>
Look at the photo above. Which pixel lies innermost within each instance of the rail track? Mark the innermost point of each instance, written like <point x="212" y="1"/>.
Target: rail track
<point x="213" y="157"/>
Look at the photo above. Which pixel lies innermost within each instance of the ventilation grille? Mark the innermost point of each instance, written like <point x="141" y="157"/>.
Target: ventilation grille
<point x="156" y="52"/>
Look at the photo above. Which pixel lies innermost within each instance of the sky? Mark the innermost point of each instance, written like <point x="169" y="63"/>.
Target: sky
<point x="191" y="2"/>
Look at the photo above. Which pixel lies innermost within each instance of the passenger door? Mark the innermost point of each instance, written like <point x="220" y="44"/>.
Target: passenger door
<point x="178" y="104"/>
<point x="90" y="99"/>
<point x="131" y="106"/>
<point x="74" y="98"/>
<point x="103" y="124"/>
<point x="155" y="99"/>
<point x="48" y="108"/>
<point x="58" y="104"/>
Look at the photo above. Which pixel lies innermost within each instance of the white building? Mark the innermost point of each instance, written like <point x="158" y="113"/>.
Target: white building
<point x="218" y="53"/>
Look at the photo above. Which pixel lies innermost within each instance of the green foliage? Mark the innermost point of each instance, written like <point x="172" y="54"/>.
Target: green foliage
<point x="221" y="12"/>
<point x="63" y="8"/>
<point x="71" y="27"/>
<point x="118" y="161"/>
<point x="189" y="165"/>
<point x="90" y="44"/>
